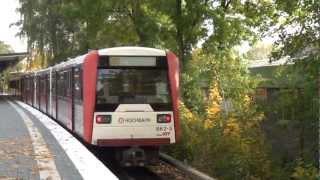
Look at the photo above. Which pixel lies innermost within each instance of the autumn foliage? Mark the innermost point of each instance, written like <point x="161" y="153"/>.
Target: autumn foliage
<point x="227" y="144"/>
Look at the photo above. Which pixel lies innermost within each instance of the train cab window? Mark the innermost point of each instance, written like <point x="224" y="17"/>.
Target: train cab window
<point x="132" y="86"/>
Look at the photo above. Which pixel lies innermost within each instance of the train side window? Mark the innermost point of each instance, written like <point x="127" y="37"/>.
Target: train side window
<point x="41" y="85"/>
<point x="63" y="88"/>
<point x="77" y="84"/>
<point x="61" y="84"/>
<point x="53" y="79"/>
<point x="26" y="84"/>
<point x="37" y="79"/>
<point x="64" y="84"/>
<point x="68" y="83"/>
<point x="57" y="84"/>
<point x="47" y="84"/>
<point x="44" y="84"/>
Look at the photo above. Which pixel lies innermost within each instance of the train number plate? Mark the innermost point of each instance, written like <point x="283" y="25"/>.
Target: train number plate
<point x="163" y="130"/>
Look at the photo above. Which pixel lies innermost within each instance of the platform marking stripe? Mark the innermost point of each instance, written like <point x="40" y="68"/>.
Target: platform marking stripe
<point x="44" y="158"/>
<point x="86" y="163"/>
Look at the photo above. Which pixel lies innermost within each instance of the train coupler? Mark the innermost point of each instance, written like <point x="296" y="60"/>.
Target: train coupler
<point x="133" y="157"/>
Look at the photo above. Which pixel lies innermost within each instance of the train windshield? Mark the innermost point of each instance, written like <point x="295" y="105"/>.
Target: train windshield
<point x="132" y="86"/>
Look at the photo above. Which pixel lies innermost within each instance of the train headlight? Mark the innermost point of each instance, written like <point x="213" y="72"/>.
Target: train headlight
<point x="103" y="119"/>
<point x="163" y="118"/>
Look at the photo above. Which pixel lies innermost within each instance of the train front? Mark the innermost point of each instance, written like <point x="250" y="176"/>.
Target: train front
<point x="136" y="105"/>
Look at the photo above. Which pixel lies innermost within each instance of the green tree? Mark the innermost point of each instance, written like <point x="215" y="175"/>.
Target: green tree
<point x="295" y="111"/>
<point x="61" y="28"/>
<point x="5" y="48"/>
<point x="300" y="40"/>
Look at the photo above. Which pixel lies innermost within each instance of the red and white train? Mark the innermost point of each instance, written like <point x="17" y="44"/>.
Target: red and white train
<point x="123" y="97"/>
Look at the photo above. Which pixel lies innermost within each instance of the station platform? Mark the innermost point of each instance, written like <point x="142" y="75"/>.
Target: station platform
<point x="32" y="146"/>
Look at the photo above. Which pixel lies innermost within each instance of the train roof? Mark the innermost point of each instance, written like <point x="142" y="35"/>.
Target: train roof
<point x="115" y="51"/>
<point x="131" y="51"/>
<point x="71" y="62"/>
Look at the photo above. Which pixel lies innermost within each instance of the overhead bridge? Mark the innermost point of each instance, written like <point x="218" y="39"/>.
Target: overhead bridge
<point x="10" y="59"/>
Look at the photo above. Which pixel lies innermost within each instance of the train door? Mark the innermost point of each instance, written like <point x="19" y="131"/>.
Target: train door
<point x="31" y="93"/>
<point x="21" y="89"/>
<point x="31" y="81"/>
<point x="47" y="89"/>
<point x="65" y="98"/>
<point x="27" y="90"/>
<point x="33" y="90"/>
<point x="38" y="93"/>
<point x="64" y="106"/>
<point x="69" y="99"/>
<point x="54" y="95"/>
<point x="27" y="86"/>
<point x="77" y="101"/>
<point x="43" y="93"/>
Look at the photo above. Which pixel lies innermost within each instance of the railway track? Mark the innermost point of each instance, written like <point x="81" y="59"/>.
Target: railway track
<point x="135" y="173"/>
<point x="163" y="171"/>
<point x="138" y="173"/>
<point x="167" y="169"/>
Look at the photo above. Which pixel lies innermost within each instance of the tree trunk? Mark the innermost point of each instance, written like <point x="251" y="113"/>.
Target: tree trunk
<point x="179" y="26"/>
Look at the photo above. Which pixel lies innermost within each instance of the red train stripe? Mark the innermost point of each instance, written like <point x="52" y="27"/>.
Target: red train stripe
<point x="89" y="92"/>
<point x="173" y="64"/>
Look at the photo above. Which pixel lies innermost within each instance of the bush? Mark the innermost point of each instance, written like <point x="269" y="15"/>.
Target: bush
<point x="224" y="146"/>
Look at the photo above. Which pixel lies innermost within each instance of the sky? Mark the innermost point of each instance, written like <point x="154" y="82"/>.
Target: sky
<point x="9" y="15"/>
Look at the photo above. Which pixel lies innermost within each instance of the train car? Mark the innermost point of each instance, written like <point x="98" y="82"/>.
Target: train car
<point x="15" y="85"/>
<point x="125" y="98"/>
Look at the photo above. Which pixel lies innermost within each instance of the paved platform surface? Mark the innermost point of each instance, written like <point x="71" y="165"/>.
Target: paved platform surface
<point x="23" y="151"/>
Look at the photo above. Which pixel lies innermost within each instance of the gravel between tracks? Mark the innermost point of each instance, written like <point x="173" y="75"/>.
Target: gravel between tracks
<point x="167" y="171"/>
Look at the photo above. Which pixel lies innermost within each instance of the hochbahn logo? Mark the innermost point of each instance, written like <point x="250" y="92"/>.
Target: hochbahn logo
<point x="133" y="120"/>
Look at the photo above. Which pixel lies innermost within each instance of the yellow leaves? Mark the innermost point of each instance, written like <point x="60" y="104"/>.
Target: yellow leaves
<point x="224" y="141"/>
<point x="232" y="128"/>
<point x="213" y="107"/>
<point x="38" y="61"/>
<point x="208" y="124"/>
<point x="247" y="100"/>
<point x="214" y="104"/>
<point x="214" y="110"/>
<point x="35" y="61"/>
<point x="305" y="172"/>
<point x="186" y="114"/>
